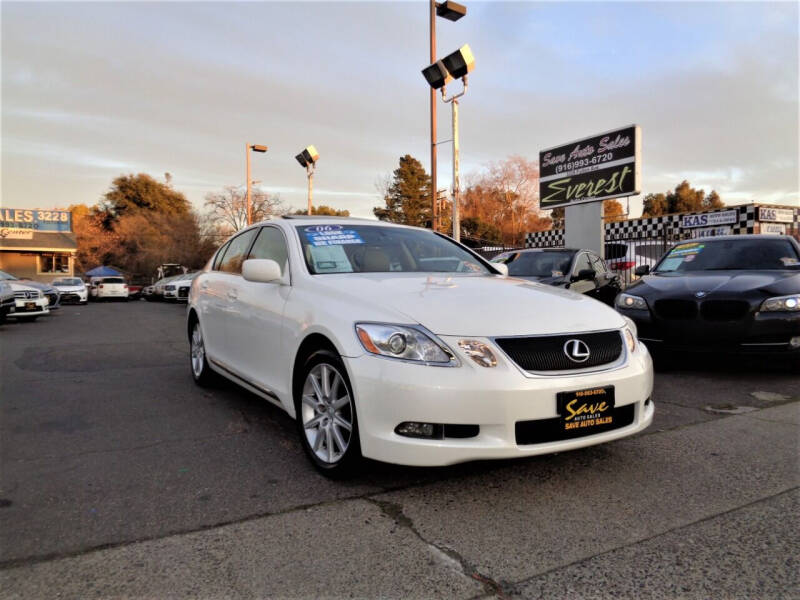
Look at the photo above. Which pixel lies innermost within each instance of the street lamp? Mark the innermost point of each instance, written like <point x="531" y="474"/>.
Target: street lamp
<point x="456" y="65"/>
<point x="308" y="158"/>
<point x="452" y="11"/>
<point x="248" y="148"/>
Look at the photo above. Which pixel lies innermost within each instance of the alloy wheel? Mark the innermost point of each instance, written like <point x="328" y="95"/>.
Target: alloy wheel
<point x="198" y="351"/>
<point x="327" y="413"/>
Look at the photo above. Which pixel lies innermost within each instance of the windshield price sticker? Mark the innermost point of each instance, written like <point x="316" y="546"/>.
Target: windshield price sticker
<point x="332" y="235"/>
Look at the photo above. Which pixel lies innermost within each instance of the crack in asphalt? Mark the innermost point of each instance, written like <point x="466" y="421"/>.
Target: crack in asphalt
<point x="645" y="539"/>
<point x="395" y="512"/>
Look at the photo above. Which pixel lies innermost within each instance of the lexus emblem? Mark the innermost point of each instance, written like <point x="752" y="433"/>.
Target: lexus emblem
<point x="699" y="294"/>
<point x="576" y="350"/>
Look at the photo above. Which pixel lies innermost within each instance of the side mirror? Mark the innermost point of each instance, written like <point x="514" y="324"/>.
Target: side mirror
<point x="642" y="270"/>
<point x="503" y="268"/>
<point x="585" y="275"/>
<point x="261" y="270"/>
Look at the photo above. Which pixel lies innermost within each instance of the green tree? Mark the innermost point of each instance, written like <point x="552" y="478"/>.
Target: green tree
<point x="324" y="211"/>
<point x="407" y="196"/>
<point x="684" y="198"/>
<point x="473" y="227"/>
<point x="132" y="193"/>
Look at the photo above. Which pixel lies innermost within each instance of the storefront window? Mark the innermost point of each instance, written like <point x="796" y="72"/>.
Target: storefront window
<point x="54" y="263"/>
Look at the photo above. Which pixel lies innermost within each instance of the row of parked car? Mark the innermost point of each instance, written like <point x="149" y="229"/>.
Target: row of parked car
<point x="170" y="289"/>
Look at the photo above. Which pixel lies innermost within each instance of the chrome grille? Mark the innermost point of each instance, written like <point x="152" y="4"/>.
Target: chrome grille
<point x="26" y="294"/>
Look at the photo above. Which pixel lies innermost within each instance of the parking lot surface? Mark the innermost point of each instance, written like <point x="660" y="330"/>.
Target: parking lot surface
<point x="120" y="477"/>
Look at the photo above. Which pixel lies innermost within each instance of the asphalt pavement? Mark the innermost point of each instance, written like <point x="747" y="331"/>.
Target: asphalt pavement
<point x="119" y="477"/>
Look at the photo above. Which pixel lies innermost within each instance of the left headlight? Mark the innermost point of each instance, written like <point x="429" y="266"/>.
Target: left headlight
<point x="789" y="303"/>
<point x="403" y="342"/>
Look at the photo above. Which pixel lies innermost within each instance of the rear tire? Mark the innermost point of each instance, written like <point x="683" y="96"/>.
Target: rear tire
<point x="326" y="416"/>
<point x="198" y="362"/>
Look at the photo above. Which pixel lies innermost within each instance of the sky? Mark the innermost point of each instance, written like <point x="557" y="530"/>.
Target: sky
<point x="94" y="90"/>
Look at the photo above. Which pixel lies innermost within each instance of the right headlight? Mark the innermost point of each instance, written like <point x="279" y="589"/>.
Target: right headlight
<point x="789" y="303"/>
<point x="630" y="301"/>
<point x="403" y="342"/>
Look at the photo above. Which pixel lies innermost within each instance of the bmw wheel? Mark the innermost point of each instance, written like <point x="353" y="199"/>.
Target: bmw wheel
<point x="326" y="415"/>
<point x="201" y="372"/>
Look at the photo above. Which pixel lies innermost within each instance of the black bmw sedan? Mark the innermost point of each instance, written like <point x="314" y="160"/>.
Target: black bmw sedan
<point x="581" y="271"/>
<point x="729" y="294"/>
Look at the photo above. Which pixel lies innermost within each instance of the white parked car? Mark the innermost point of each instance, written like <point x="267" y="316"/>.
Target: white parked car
<point x="105" y="288"/>
<point x="73" y="290"/>
<point x="7" y="301"/>
<point x="29" y="303"/>
<point x="401" y="345"/>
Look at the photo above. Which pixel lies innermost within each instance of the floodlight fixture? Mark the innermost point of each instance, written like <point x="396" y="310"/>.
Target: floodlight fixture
<point x="258" y="148"/>
<point x="436" y="75"/>
<point x="460" y="63"/>
<point x="309" y="156"/>
<point x="452" y="11"/>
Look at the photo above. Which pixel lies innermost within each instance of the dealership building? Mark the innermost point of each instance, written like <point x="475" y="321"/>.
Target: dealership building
<point x="37" y="244"/>
<point x="731" y="220"/>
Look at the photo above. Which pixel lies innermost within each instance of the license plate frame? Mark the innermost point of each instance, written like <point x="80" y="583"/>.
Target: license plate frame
<point x="586" y="409"/>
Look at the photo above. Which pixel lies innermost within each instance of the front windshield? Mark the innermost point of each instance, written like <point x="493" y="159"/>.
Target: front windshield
<point x="68" y="281"/>
<point x="536" y="264"/>
<point x="378" y="249"/>
<point x="729" y="254"/>
<point x="7" y="276"/>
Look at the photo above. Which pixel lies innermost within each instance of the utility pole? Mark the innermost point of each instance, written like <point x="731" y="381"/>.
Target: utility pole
<point x="249" y="183"/>
<point x="310" y="175"/>
<point x="435" y="211"/>
<point x="453" y="100"/>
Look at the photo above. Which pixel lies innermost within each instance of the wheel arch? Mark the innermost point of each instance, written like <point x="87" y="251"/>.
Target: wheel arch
<point x="310" y="344"/>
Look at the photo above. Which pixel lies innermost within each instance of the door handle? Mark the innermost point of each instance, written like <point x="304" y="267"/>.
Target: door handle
<point x="232" y="294"/>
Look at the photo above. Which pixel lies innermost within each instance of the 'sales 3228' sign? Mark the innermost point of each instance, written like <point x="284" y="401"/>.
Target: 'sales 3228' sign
<point x="596" y="168"/>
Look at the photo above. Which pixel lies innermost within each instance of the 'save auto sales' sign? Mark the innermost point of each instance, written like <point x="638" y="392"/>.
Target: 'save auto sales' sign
<point x="597" y="168"/>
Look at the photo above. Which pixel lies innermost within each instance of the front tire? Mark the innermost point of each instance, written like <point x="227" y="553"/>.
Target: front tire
<point x="326" y="415"/>
<point x="201" y="372"/>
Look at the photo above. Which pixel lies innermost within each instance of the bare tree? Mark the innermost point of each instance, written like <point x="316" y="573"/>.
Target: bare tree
<point x="227" y="209"/>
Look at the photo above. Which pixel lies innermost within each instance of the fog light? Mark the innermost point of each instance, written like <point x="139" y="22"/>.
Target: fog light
<point x="478" y="352"/>
<point x="795" y="342"/>
<point x="414" y="429"/>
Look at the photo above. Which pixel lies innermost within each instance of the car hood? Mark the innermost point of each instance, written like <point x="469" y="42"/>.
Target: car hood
<point x="71" y="288"/>
<point x="22" y="287"/>
<point x="718" y="282"/>
<point x="479" y="306"/>
<point x="45" y="287"/>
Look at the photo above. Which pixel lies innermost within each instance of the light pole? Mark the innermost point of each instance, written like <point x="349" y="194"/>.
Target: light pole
<point x="308" y="158"/>
<point x="452" y="12"/>
<point x="456" y="65"/>
<point x="248" y="148"/>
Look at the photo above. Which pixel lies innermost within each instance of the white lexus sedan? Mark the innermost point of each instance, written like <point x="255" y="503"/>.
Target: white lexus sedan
<point x="398" y="344"/>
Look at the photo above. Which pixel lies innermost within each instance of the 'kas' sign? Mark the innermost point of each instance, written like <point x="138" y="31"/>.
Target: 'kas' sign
<point x="706" y="219"/>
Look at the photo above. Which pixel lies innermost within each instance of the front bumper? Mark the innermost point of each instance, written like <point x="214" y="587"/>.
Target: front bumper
<point x="389" y="392"/>
<point x="756" y="333"/>
<point x="29" y="308"/>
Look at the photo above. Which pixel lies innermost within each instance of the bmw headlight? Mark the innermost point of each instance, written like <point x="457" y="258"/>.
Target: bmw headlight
<point x="630" y="301"/>
<point x="404" y="342"/>
<point x="789" y="303"/>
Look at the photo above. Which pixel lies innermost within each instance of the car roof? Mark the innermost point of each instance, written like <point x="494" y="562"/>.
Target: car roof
<point x="545" y="250"/>
<point x="748" y="236"/>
